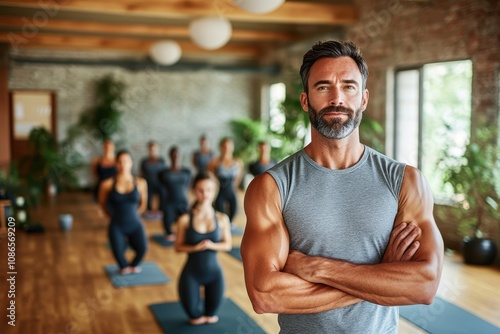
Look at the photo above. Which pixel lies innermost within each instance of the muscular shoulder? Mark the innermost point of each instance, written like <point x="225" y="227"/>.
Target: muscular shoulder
<point x="262" y="197"/>
<point x="416" y="194"/>
<point x="414" y="182"/>
<point x="263" y="184"/>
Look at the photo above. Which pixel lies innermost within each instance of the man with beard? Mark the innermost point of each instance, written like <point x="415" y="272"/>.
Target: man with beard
<point x="338" y="235"/>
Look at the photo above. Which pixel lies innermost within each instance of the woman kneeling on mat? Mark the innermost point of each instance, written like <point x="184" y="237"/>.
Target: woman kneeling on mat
<point x="201" y="233"/>
<point x="124" y="198"/>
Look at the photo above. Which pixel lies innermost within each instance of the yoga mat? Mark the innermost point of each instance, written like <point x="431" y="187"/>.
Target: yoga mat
<point x="173" y="320"/>
<point x="149" y="275"/>
<point x="235" y="252"/>
<point x="159" y="238"/>
<point x="150" y="216"/>
<point x="442" y="317"/>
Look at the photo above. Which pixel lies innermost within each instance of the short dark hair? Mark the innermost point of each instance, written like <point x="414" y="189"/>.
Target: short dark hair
<point x="332" y="49"/>
<point x="225" y="139"/>
<point x="122" y="152"/>
<point x="173" y="149"/>
<point x="201" y="176"/>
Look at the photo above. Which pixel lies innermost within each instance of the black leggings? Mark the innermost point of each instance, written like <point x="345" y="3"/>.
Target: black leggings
<point x="226" y="201"/>
<point x="171" y="211"/>
<point x="118" y="241"/>
<point x="190" y="296"/>
<point x="154" y="188"/>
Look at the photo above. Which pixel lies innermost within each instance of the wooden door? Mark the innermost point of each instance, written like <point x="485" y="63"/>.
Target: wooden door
<point x="30" y="109"/>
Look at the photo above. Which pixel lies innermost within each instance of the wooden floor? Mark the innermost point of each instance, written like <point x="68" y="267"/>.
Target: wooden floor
<point x="61" y="286"/>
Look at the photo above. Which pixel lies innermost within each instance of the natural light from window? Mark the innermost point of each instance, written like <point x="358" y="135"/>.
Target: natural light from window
<point x="276" y="114"/>
<point x="433" y="112"/>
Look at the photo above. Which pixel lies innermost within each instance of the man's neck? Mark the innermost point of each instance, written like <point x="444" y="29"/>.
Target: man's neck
<point x="335" y="153"/>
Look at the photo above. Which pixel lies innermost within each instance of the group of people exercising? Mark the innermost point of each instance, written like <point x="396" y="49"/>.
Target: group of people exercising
<point x="201" y="229"/>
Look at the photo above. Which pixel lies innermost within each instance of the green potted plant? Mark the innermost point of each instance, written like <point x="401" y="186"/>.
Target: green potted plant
<point x="474" y="178"/>
<point x="105" y="115"/>
<point x="46" y="169"/>
<point x="246" y="134"/>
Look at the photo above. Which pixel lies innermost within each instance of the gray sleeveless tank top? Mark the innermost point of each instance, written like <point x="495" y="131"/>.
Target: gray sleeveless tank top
<point x="344" y="214"/>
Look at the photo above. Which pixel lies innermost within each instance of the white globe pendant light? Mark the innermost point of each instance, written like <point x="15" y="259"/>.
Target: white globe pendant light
<point x="259" y="6"/>
<point x="165" y="52"/>
<point x="210" y="32"/>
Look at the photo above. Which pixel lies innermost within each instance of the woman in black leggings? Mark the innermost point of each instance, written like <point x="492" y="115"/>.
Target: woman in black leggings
<point x="104" y="166"/>
<point x="175" y="180"/>
<point x="124" y="198"/>
<point x="228" y="171"/>
<point x="201" y="233"/>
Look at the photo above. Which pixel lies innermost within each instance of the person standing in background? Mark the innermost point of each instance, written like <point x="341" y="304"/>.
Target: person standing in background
<point x="176" y="179"/>
<point x="228" y="171"/>
<point x="264" y="162"/>
<point x="203" y="155"/>
<point x="104" y="166"/>
<point x="150" y="169"/>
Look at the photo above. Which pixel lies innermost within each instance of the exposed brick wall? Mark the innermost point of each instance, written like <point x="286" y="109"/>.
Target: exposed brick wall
<point x="174" y="108"/>
<point x="397" y="33"/>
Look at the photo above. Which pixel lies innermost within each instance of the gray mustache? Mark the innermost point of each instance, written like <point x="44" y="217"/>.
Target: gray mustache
<point x="336" y="109"/>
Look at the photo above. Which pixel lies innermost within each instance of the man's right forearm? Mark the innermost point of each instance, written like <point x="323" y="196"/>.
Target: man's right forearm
<point x="285" y="293"/>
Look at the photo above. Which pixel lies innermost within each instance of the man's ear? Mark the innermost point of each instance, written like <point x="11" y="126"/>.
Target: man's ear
<point x="304" y="101"/>
<point x="364" y="102"/>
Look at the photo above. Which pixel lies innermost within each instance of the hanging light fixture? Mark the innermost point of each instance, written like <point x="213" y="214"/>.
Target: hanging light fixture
<point x="259" y="6"/>
<point x="165" y="52"/>
<point x="210" y="32"/>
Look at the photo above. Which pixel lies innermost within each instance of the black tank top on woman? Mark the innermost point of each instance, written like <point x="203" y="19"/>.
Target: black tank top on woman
<point x="123" y="208"/>
<point x="204" y="261"/>
<point x="105" y="172"/>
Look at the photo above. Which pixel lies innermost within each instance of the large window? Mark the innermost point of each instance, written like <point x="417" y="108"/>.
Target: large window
<point x="432" y="111"/>
<point x="277" y="116"/>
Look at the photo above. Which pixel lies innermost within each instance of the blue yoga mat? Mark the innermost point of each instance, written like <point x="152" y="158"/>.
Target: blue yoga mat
<point x="173" y="320"/>
<point x="149" y="275"/>
<point x="160" y="239"/>
<point x="235" y="252"/>
<point x="442" y="317"/>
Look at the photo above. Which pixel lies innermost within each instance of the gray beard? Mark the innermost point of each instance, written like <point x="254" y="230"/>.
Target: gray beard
<point x="335" y="128"/>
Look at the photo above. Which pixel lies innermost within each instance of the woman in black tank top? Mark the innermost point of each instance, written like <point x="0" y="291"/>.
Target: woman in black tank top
<point x="202" y="233"/>
<point x="228" y="171"/>
<point x="104" y="166"/>
<point x="123" y="198"/>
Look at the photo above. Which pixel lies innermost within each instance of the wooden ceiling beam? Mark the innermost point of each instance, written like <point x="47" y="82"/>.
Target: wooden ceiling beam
<point x="71" y="42"/>
<point x="67" y="26"/>
<point x="289" y="13"/>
